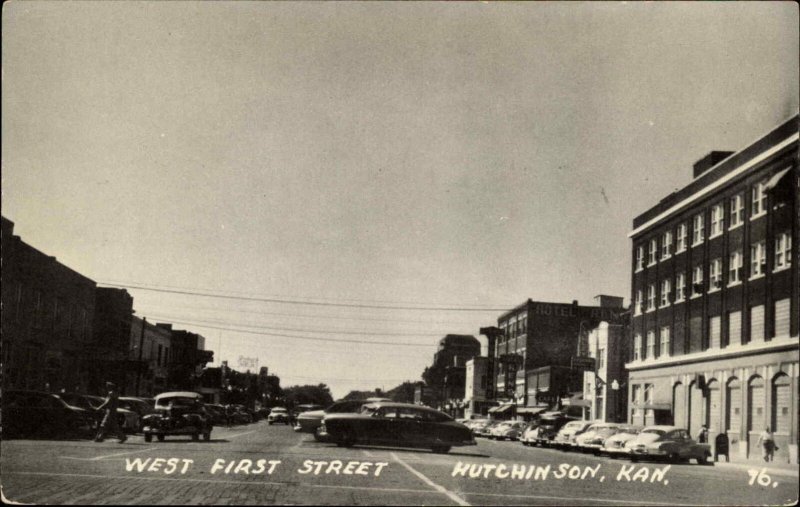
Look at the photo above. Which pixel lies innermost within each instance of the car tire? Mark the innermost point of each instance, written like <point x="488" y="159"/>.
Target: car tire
<point x="269" y="422"/>
<point x="160" y="438"/>
<point x="673" y="457"/>
<point x="195" y="437"/>
<point x="348" y="439"/>
<point x="634" y="459"/>
<point x="148" y="437"/>
<point x="704" y="460"/>
<point x="441" y="449"/>
<point x="207" y="436"/>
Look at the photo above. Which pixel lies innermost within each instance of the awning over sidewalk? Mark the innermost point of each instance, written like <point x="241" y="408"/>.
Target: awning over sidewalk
<point x="531" y="410"/>
<point x="501" y="409"/>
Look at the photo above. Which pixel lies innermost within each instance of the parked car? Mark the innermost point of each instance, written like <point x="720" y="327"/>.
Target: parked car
<point x="615" y="444"/>
<point x="128" y="419"/>
<point x="217" y="414"/>
<point x="484" y="430"/>
<point x="550" y="423"/>
<point x="278" y="415"/>
<point x="397" y="424"/>
<point x="529" y="434"/>
<point x="592" y="439"/>
<point x="138" y="405"/>
<point x="239" y="414"/>
<point x="473" y="424"/>
<point x="566" y="435"/>
<point x="178" y="413"/>
<point x="508" y="430"/>
<point x="669" y="443"/>
<point x="310" y="420"/>
<point x="28" y="413"/>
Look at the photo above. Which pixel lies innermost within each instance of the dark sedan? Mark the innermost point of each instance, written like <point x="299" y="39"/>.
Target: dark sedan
<point x="396" y="424"/>
<point x="38" y="413"/>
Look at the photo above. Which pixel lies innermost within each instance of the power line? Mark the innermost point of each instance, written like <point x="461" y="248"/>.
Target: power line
<point x="324" y="331"/>
<point x="364" y="342"/>
<point x="309" y="303"/>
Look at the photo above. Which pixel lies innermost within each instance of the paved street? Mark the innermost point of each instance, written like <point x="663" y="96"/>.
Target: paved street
<point x="68" y="472"/>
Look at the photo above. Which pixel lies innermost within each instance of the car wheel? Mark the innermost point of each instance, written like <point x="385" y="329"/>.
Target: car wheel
<point x="148" y="437"/>
<point x="704" y="460"/>
<point x="160" y="438"/>
<point x="207" y="436"/>
<point x="634" y="459"/>
<point x="441" y="449"/>
<point x="348" y="439"/>
<point x="269" y="422"/>
<point x="673" y="457"/>
<point x="195" y="437"/>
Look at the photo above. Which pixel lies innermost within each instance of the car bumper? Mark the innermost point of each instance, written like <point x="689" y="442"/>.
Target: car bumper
<point x="187" y="430"/>
<point x="655" y="453"/>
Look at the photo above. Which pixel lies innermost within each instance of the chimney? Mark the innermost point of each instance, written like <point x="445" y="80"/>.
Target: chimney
<point x="605" y="301"/>
<point x="709" y="161"/>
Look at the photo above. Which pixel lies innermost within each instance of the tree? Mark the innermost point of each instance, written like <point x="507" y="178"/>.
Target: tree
<point x="404" y="393"/>
<point x="319" y="394"/>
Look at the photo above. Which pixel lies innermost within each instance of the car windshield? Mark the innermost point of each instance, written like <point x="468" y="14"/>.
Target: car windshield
<point x="277" y="410"/>
<point x="177" y="401"/>
<point x="76" y="400"/>
<point x="653" y="431"/>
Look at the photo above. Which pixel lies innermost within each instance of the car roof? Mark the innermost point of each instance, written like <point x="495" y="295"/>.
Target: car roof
<point x="178" y="394"/>
<point x="662" y="428"/>
<point x="395" y="404"/>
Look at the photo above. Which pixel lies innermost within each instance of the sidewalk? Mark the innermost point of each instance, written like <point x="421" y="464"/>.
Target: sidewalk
<point x="773" y="468"/>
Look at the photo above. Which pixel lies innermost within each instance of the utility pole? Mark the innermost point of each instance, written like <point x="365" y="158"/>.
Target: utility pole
<point x="141" y="350"/>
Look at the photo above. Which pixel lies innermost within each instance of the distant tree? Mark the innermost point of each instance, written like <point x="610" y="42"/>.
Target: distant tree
<point x="404" y="393"/>
<point x="319" y="394"/>
<point x="360" y="395"/>
<point x="434" y="375"/>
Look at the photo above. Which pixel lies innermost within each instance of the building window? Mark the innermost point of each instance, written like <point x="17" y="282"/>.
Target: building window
<point x="638" y="306"/>
<point x="782" y="317"/>
<point x="735" y="328"/>
<point x="666" y="245"/>
<point x="783" y="251"/>
<point x="757" y="323"/>
<point x="601" y="358"/>
<point x="652" y="252"/>
<point x="158" y="359"/>
<point x="651" y="344"/>
<point x="759" y="200"/>
<point x="715" y="274"/>
<point x="714" y="332"/>
<point x="717" y="220"/>
<point x="681" y="239"/>
<point x="666" y="289"/>
<point x="697" y="281"/>
<point x="651" y="297"/>
<point x="664" y="341"/>
<point x="737" y="211"/>
<point x="697" y="229"/>
<point x="640" y="258"/>
<point x="735" y="268"/>
<point x="680" y="287"/>
<point x="637" y="347"/>
<point x="758" y="259"/>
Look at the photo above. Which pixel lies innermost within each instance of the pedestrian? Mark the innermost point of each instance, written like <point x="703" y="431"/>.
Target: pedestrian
<point x="702" y="437"/>
<point x="228" y="414"/>
<point x="767" y="442"/>
<point x="109" y="425"/>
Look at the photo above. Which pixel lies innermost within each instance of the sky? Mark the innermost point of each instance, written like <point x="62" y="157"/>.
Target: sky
<point x="312" y="161"/>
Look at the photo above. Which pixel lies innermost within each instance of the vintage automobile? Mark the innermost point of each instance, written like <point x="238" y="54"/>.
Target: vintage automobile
<point x="484" y="430"/>
<point x="528" y="435"/>
<point x="592" y="439"/>
<point x="566" y="435"/>
<point x="310" y="421"/>
<point x="508" y="430"/>
<point x="396" y="424"/>
<point x="474" y="424"/>
<point x="128" y="419"/>
<point x="138" y="405"/>
<point x="278" y="415"/>
<point x="550" y="423"/>
<point x="178" y="413"/>
<point x="615" y="444"/>
<point x="28" y="413"/>
<point x="217" y="413"/>
<point x="668" y="443"/>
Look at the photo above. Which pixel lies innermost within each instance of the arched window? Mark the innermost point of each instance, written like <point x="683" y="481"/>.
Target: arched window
<point x="678" y="404"/>
<point x="755" y="404"/>
<point x="713" y="408"/>
<point x="781" y="398"/>
<point x="733" y="415"/>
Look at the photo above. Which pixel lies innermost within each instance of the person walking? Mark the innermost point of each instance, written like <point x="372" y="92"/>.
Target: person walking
<point x="702" y="437"/>
<point x="109" y="425"/>
<point x="767" y="441"/>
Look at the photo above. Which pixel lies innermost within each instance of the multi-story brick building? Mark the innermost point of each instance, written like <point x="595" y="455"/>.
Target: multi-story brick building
<point x="538" y="335"/>
<point x="108" y="350"/>
<point x="150" y="354"/>
<point x="187" y="360"/>
<point x="606" y="385"/>
<point x="47" y="319"/>
<point x="715" y="289"/>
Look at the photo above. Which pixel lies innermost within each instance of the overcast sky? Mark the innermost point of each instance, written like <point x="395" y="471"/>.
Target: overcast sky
<point x="464" y="155"/>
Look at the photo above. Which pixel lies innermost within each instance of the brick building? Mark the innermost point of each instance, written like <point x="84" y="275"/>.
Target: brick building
<point x="47" y="319"/>
<point x="544" y="337"/>
<point x="150" y="353"/>
<point x="108" y="350"/>
<point x="187" y="360"/>
<point x="715" y="289"/>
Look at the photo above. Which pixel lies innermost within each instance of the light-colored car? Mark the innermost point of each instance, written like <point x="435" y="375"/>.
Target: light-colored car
<point x="529" y="434"/>
<point x="278" y="415"/>
<point x="669" y="443"/>
<point x="615" y="444"/>
<point x="592" y="439"/>
<point x="566" y="435"/>
<point x="310" y="421"/>
<point x="129" y="420"/>
<point x="508" y="430"/>
<point x="485" y="429"/>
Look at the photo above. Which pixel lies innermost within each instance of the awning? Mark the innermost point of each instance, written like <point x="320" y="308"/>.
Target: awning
<point x="578" y="403"/>
<point x="501" y="409"/>
<point x="653" y="406"/>
<point x="776" y="178"/>
<point x="531" y="410"/>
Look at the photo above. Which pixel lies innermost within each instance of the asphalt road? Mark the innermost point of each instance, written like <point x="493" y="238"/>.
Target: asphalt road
<point x="261" y="464"/>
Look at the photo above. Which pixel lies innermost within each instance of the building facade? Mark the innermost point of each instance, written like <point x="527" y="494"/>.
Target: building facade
<point x="47" y="319"/>
<point x="606" y="386"/>
<point x="108" y="350"/>
<point x="476" y="400"/>
<point x="714" y="331"/>
<point x="150" y="347"/>
<point x="536" y="335"/>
